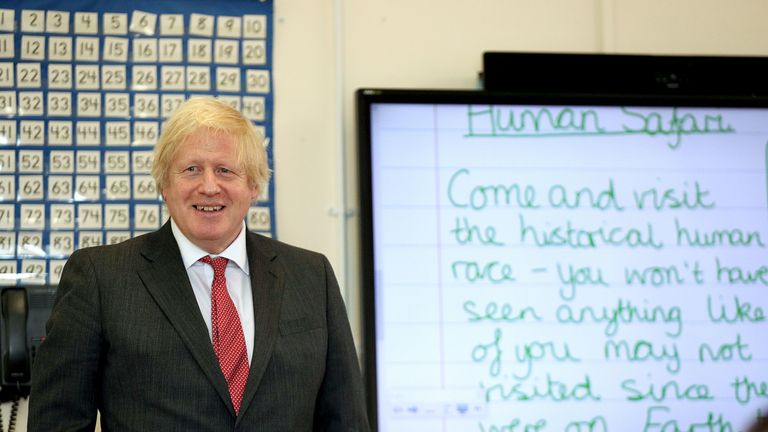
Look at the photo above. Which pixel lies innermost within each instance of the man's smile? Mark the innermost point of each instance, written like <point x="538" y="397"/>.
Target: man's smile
<point x="209" y="208"/>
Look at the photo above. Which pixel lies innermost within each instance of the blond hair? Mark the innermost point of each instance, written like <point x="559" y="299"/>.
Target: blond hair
<point x="218" y="117"/>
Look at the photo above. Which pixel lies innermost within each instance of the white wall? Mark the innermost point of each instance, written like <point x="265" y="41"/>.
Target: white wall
<point x="326" y="49"/>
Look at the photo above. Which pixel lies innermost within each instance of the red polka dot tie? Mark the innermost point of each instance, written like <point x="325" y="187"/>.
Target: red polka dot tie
<point x="228" y="339"/>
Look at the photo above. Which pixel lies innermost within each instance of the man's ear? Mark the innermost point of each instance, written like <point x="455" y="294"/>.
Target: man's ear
<point x="255" y="192"/>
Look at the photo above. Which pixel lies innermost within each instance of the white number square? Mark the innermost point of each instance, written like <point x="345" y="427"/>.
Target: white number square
<point x="7" y="19"/>
<point x="229" y="26"/>
<point x="57" y="21"/>
<point x="7" y="216"/>
<point x="8" y="103"/>
<point x="254" y="52"/>
<point x="146" y="216"/>
<point x="61" y="161"/>
<point x="59" y="76"/>
<point x="118" y="187"/>
<point x="7" y="161"/>
<point x="88" y="162"/>
<point x="32" y="216"/>
<point x="144" y="78"/>
<point x="61" y="243"/>
<point x="7" y="245"/>
<point x="89" y="216"/>
<point x="117" y="162"/>
<point x="262" y="132"/>
<point x="118" y="132"/>
<point x="257" y="81"/>
<point x="199" y="78"/>
<point x="87" y="77"/>
<point x="259" y="219"/>
<point x="115" y="49"/>
<point x="7" y="46"/>
<point x="59" y="104"/>
<point x="33" y="47"/>
<point x="30" y="161"/>
<point x="86" y="48"/>
<point x="115" y="237"/>
<point x="145" y="133"/>
<point x="172" y="78"/>
<point x="115" y="23"/>
<point x="7" y="132"/>
<point x="143" y="22"/>
<point x="172" y="24"/>
<point x="59" y="188"/>
<point x="7" y="192"/>
<point x="87" y="188"/>
<point x="113" y="77"/>
<point x="142" y="162"/>
<point x="145" y="50"/>
<point x="88" y="239"/>
<point x="144" y="188"/>
<point x="28" y="75"/>
<point x="32" y="21"/>
<point x="60" y="48"/>
<point x="60" y="132"/>
<point x="170" y="50"/>
<point x="33" y="271"/>
<point x="62" y="216"/>
<point x="227" y="51"/>
<point x="88" y="133"/>
<point x="255" y="26"/>
<point x="30" y="244"/>
<point x="86" y="23"/>
<point x="253" y="107"/>
<point x="201" y="25"/>
<point x="228" y="79"/>
<point x="116" y="216"/>
<point x="146" y="105"/>
<point x="116" y="105"/>
<point x="31" y="187"/>
<point x="32" y="132"/>
<point x="56" y="267"/>
<point x="89" y="104"/>
<point x="8" y="272"/>
<point x="31" y="103"/>
<point x="170" y="102"/>
<point x="199" y="51"/>
<point x="6" y="74"/>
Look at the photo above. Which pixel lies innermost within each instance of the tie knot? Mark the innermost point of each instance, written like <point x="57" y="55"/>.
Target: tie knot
<point x="218" y="264"/>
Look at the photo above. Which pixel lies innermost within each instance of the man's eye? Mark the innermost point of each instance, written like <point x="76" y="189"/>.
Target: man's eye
<point x="223" y="170"/>
<point x="190" y="169"/>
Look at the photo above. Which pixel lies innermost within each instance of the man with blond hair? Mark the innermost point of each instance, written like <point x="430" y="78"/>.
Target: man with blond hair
<point x="201" y="325"/>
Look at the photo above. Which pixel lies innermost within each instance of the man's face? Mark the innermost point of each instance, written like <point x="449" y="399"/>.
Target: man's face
<point x="207" y="192"/>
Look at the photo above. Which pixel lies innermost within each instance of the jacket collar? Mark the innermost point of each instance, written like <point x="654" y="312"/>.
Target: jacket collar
<point x="167" y="282"/>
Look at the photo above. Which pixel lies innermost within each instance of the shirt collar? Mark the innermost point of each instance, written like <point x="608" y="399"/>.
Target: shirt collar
<point x="191" y="253"/>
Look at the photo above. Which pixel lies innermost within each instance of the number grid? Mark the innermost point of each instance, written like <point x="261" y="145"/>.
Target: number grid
<point x="83" y="98"/>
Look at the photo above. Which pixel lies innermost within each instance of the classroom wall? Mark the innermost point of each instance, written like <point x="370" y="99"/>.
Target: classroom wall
<point x="326" y="49"/>
<point x="439" y="45"/>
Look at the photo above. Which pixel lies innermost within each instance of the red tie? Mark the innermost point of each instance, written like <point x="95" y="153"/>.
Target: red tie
<point x="228" y="339"/>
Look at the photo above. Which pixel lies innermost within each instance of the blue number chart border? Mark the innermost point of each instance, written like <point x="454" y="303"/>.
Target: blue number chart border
<point x="264" y="210"/>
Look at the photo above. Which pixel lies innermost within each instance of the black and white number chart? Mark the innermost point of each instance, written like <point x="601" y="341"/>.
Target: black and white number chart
<point x="85" y="88"/>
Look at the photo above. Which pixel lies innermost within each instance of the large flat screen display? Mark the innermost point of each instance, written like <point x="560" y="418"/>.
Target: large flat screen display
<point x="564" y="264"/>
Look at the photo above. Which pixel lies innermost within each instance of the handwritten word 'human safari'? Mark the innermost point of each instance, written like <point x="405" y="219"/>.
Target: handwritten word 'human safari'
<point x="491" y="121"/>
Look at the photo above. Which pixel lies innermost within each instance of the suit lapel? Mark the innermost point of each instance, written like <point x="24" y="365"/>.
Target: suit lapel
<point x="168" y="283"/>
<point x="267" y="281"/>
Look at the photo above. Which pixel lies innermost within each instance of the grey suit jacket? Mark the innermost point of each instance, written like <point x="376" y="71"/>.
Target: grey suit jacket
<point x="126" y="337"/>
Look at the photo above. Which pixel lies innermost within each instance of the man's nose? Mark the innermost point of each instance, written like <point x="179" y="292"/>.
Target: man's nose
<point x="209" y="184"/>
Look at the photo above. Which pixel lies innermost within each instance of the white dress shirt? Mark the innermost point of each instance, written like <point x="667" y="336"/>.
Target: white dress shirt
<point x="238" y="280"/>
